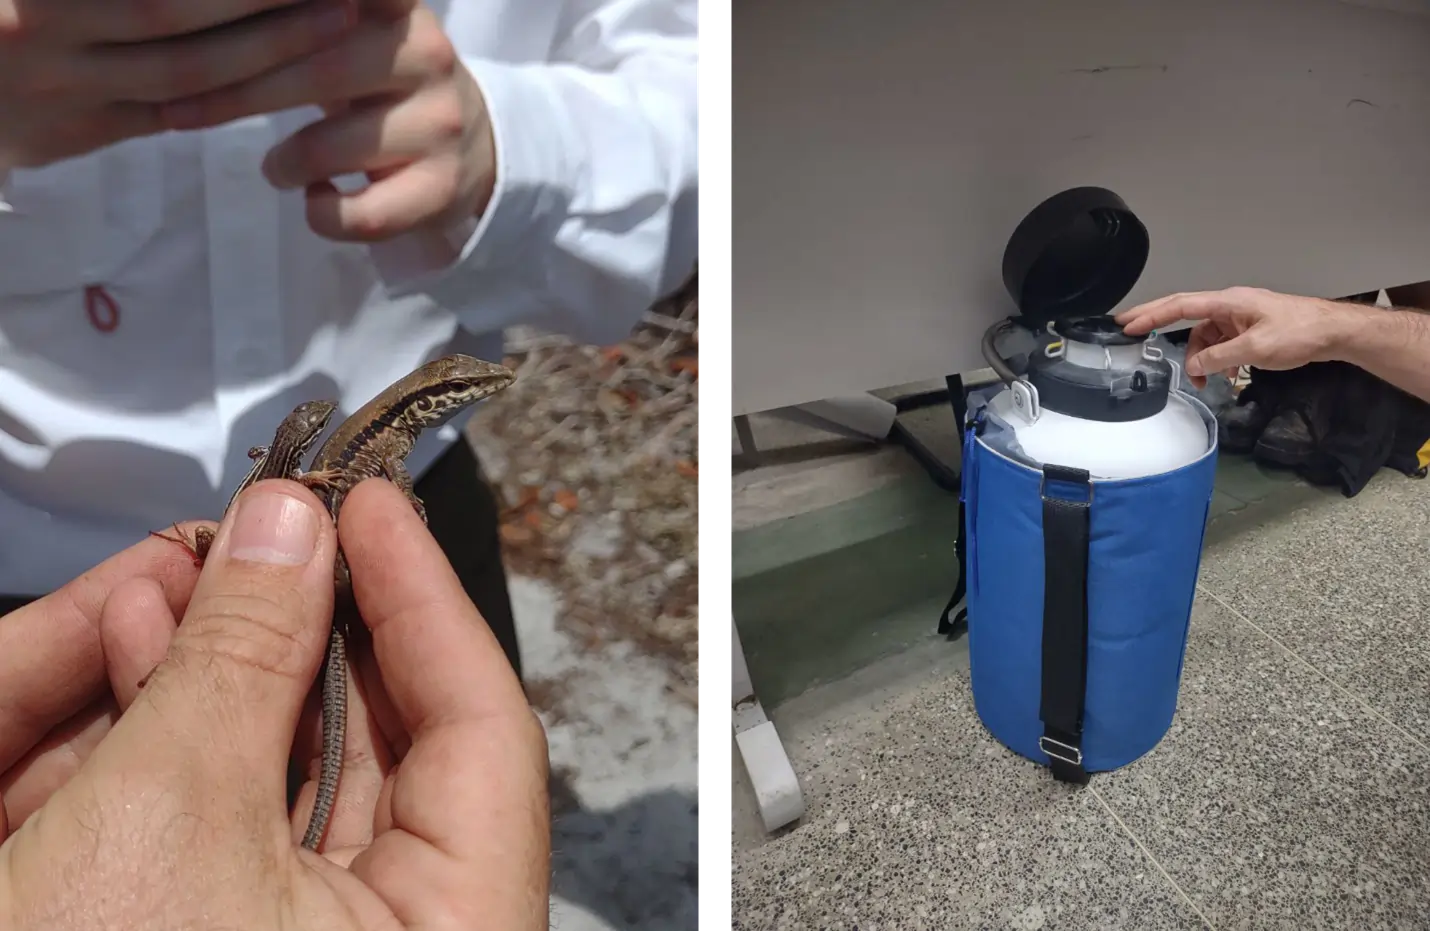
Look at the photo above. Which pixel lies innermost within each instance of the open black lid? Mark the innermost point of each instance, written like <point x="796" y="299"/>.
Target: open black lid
<point x="1075" y="255"/>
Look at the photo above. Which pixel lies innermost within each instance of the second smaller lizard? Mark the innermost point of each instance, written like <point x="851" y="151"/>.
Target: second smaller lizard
<point x="284" y="459"/>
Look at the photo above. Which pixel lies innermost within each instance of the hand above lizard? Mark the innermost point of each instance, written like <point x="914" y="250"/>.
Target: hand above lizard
<point x="401" y="106"/>
<point x="177" y="816"/>
<point x="77" y="75"/>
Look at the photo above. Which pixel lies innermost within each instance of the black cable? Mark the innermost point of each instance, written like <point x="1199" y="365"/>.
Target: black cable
<point x="990" y="352"/>
<point x="943" y="476"/>
<point x="920" y="400"/>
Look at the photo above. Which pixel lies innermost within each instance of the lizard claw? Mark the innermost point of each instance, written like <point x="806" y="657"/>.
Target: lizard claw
<point x="146" y="677"/>
<point x="182" y="539"/>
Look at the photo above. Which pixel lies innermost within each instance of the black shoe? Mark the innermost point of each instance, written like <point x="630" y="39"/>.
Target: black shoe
<point x="1239" y="426"/>
<point x="1286" y="441"/>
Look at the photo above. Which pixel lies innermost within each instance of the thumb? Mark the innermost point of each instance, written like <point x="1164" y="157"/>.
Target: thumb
<point x="190" y="780"/>
<point x="245" y="654"/>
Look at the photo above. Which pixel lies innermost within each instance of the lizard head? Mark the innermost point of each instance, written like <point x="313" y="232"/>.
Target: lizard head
<point x="452" y="383"/>
<point x="465" y="373"/>
<point x="309" y="418"/>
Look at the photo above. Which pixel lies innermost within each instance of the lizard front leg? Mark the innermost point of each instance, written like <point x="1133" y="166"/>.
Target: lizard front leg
<point x="197" y="546"/>
<point x="203" y="538"/>
<point x="395" y="470"/>
<point x="324" y="480"/>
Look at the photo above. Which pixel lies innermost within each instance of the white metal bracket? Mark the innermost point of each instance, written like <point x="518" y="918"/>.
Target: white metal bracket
<point x="777" y="791"/>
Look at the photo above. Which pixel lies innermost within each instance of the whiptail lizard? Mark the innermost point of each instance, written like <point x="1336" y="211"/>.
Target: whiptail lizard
<point x="284" y="459"/>
<point x="374" y="443"/>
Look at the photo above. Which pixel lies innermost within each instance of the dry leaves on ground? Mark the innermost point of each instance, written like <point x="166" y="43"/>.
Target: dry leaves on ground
<point x="593" y="451"/>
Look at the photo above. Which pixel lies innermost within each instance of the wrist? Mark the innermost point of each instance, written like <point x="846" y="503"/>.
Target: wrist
<point x="1341" y="327"/>
<point x="1366" y="336"/>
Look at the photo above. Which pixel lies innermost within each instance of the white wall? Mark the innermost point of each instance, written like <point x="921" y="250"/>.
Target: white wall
<point x="883" y="153"/>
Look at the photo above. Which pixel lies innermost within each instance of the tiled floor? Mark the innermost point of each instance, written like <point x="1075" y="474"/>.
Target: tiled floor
<point x="1293" y="790"/>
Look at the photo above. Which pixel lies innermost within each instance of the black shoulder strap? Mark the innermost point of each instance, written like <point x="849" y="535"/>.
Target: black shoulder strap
<point x="1065" y="546"/>
<point x="950" y="624"/>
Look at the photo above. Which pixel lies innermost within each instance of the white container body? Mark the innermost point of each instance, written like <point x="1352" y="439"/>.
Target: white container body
<point x="1174" y="437"/>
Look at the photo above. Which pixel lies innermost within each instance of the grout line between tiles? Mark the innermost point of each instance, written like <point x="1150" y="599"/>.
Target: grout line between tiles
<point x="1374" y="712"/>
<point x="1148" y="854"/>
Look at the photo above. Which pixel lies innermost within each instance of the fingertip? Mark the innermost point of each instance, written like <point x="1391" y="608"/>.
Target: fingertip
<point x="278" y="523"/>
<point x="394" y="201"/>
<point x="376" y="499"/>
<point x="342" y="216"/>
<point x="136" y="626"/>
<point x="394" y="560"/>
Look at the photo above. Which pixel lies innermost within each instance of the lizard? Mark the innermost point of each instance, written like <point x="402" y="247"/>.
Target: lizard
<point x="374" y="443"/>
<point x="284" y="459"/>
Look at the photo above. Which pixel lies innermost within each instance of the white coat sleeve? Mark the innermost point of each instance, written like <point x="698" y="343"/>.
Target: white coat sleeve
<point x="595" y="211"/>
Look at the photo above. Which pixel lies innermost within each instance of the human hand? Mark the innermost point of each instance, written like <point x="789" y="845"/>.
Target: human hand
<point x="178" y="818"/>
<point x="1248" y="326"/>
<point x="55" y="700"/>
<point x="400" y="107"/>
<point x="76" y="75"/>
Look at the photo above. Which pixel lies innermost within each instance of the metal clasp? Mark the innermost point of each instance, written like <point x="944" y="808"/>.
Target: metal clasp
<point x="1025" y="399"/>
<point x="1073" y="756"/>
<point x="1155" y="354"/>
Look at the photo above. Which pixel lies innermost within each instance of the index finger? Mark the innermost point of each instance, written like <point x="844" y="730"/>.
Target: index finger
<point x="1196" y="305"/>
<point x="51" y="660"/>
<point x="440" y="662"/>
<point x="107" y="21"/>
<point x="467" y="808"/>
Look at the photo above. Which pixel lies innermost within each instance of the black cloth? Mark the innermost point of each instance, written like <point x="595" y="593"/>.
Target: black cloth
<point x="1359" y="424"/>
<point x="463" y="517"/>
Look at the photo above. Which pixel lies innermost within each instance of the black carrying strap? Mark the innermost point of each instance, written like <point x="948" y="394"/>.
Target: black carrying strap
<point x="950" y="624"/>
<point x="1065" y="545"/>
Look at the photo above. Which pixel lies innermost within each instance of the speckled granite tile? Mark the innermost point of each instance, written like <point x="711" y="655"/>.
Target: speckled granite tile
<point x="1276" y="802"/>
<point x="918" y="819"/>
<point x="1343" y="583"/>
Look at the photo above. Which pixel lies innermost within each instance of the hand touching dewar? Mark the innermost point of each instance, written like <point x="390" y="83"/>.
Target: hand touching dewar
<point x="1247" y="326"/>
<point x="178" y="816"/>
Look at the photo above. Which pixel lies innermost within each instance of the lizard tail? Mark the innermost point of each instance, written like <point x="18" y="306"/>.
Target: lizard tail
<point x="335" y="722"/>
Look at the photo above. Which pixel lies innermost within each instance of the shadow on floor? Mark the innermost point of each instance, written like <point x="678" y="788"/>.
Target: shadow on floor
<point x="636" y="867"/>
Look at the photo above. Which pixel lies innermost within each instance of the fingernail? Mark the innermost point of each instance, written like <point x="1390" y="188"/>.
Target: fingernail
<point x="273" y="527"/>
<point x="1195" y="367"/>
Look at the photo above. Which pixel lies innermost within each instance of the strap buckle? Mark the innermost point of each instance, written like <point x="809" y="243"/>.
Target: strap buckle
<point x="1072" y="756"/>
<point x="1074" y="479"/>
